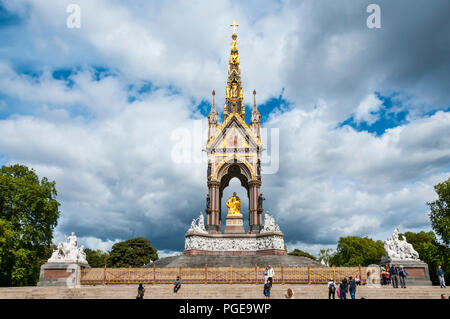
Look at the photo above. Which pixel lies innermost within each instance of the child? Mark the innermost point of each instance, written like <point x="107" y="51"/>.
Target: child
<point x="177" y="285"/>
<point x="267" y="290"/>
<point x="141" y="291"/>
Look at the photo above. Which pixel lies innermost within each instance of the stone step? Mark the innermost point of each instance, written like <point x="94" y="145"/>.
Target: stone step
<point x="213" y="291"/>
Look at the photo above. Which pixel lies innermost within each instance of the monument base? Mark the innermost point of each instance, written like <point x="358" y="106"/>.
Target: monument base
<point x="418" y="274"/>
<point x="242" y="261"/>
<point x="234" y="224"/>
<point x="265" y="243"/>
<point x="61" y="274"/>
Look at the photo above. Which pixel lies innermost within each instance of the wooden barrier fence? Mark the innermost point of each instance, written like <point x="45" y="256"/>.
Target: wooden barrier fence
<point x="221" y="275"/>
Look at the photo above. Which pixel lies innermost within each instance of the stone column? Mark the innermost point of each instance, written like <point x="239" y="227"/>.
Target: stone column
<point x="213" y="221"/>
<point x="254" y="219"/>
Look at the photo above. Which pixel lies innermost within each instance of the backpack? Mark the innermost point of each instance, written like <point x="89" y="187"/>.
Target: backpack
<point x="332" y="287"/>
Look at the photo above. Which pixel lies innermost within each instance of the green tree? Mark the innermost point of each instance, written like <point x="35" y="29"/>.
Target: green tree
<point x="134" y="252"/>
<point x="28" y="214"/>
<point x="440" y="212"/>
<point x="354" y="251"/>
<point x="301" y="253"/>
<point x="96" y="258"/>
<point x="430" y="251"/>
<point x="325" y="255"/>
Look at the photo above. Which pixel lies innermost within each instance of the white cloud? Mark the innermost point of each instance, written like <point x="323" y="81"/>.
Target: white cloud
<point x="367" y="109"/>
<point x="113" y="168"/>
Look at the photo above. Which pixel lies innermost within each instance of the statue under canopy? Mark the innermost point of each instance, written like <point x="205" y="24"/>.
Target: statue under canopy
<point x="234" y="205"/>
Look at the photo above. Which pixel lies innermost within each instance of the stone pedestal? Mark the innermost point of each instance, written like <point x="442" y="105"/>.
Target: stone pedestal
<point x="418" y="274"/>
<point x="61" y="274"/>
<point x="234" y="224"/>
<point x="271" y="243"/>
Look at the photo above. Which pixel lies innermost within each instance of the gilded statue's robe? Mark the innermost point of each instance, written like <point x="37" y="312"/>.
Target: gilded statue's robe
<point x="234" y="205"/>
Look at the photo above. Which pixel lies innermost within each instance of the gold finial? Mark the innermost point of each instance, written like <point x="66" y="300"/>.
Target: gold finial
<point x="254" y="98"/>
<point x="234" y="25"/>
<point x="213" y="92"/>
<point x="214" y="102"/>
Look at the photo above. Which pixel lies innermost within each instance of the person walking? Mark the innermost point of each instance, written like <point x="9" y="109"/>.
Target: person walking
<point x="331" y="289"/>
<point x="393" y="274"/>
<point x="402" y="274"/>
<point x="177" y="285"/>
<point x="270" y="274"/>
<point x="352" y="286"/>
<point x="141" y="290"/>
<point x="441" y="275"/>
<point x="266" y="276"/>
<point x="343" y="287"/>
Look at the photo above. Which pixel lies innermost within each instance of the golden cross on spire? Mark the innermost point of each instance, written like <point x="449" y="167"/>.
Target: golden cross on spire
<point x="234" y="25"/>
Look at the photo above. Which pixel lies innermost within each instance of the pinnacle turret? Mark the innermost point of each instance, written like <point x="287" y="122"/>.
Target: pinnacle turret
<point x="234" y="92"/>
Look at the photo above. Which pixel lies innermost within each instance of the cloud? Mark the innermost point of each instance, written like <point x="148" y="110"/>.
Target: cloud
<point x="336" y="181"/>
<point x="366" y="111"/>
<point x="112" y="156"/>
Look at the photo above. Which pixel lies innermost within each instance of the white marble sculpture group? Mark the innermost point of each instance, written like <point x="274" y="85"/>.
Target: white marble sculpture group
<point x="198" y="225"/>
<point x="397" y="249"/>
<point x="69" y="252"/>
<point x="269" y="224"/>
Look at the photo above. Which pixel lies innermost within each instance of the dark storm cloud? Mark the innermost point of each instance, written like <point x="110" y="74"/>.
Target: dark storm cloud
<point x="114" y="171"/>
<point x="339" y="59"/>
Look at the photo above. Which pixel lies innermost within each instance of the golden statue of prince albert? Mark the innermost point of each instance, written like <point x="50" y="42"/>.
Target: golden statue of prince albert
<point x="234" y="205"/>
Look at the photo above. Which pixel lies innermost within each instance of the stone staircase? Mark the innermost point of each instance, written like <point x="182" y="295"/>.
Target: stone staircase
<point x="213" y="291"/>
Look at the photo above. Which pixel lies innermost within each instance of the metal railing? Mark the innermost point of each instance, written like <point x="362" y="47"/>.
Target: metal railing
<point x="222" y="275"/>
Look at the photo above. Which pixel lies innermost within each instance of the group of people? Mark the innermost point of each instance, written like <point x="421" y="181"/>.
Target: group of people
<point x="268" y="280"/>
<point x="393" y="274"/>
<point x="176" y="287"/>
<point x="344" y="287"/>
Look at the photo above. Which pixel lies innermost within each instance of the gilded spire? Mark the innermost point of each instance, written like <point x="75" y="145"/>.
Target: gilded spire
<point x="234" y="25"/>
<point x="234" y="93"/>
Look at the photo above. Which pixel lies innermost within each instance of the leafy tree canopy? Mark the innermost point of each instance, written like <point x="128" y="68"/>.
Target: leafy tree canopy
<point x="28" y="214"/>
<point x="96" y="258"/>
<point x="354" y="251"/>
<point x="440" y="212"/>
<point x="430" y="251"/>
<point x="301" y="253"/>
<point x="134" y="252"/>
<point x="325" y="255"/>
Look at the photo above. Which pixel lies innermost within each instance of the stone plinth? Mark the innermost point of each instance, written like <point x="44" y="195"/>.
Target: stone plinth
<point x="418" y="274"/>
<point x="234" y="224"/>
<point x="61" y="274"/>
<point x="268" y="243"/>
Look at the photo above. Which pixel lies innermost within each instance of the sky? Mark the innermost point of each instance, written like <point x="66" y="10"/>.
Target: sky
<point x="357" y="118"/>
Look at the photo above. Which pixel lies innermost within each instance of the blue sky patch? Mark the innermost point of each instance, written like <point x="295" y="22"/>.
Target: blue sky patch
<point x="389" y="115"/>
<point x="265" y="109"/>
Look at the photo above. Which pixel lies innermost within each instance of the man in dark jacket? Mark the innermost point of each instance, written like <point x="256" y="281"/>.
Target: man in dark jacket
<point x="393" y="274"/>
<point x="177" y="284"/>
<point x="331" y="289"/>
<point x="352" y="287"/>
<point x="343" y="288"/>
<point x="440" y="273"/>
<point x="402" y="273"/>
